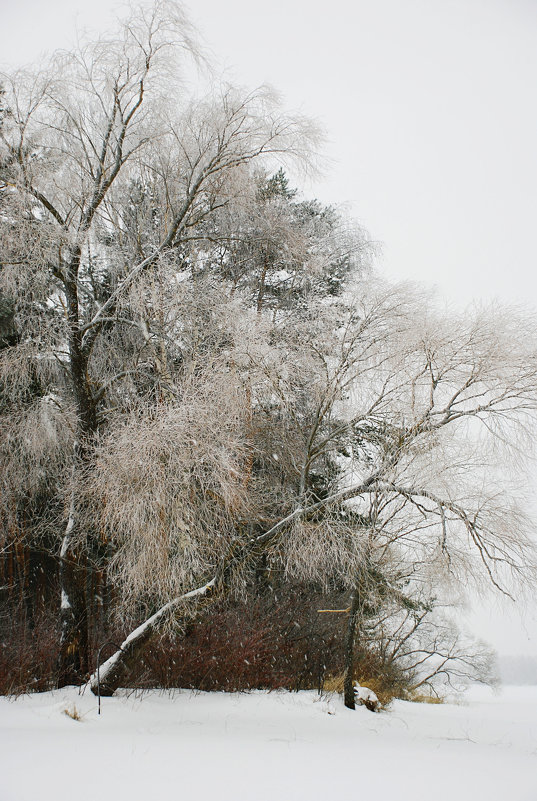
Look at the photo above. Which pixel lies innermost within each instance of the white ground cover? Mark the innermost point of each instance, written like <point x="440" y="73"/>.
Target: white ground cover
<point x="254" y="747"/>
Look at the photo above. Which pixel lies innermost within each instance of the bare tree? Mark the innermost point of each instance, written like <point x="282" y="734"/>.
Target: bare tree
<point x="433" y="653"/>
<point x="390" y="429"/>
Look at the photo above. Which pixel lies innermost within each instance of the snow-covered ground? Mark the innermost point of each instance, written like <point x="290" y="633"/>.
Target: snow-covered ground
<point x="261" y="747"/>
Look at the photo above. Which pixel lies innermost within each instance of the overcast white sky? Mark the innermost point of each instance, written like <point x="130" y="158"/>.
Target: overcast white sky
<point x="430" y="109"/>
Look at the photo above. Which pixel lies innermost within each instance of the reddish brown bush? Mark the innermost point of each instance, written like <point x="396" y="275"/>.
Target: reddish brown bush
<point x="28" y="650"/>
<point x="277" y="640"/>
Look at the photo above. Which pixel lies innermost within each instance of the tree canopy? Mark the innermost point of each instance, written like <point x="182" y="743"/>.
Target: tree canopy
<point x="201" y="372"/>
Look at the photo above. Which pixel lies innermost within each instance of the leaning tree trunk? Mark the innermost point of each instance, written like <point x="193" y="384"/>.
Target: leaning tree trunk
<point x="114" y="672"/>
<point x="123" y="662"/>
<point x="354" y="614"/>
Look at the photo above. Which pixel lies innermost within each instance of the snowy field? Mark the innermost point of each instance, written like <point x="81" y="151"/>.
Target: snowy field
<point x="277" y="746"/>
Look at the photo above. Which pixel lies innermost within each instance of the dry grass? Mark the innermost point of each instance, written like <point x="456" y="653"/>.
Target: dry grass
<point x="73" y="713"/>
<point x="419" y="698"/>
<point x="334" y="683"/>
